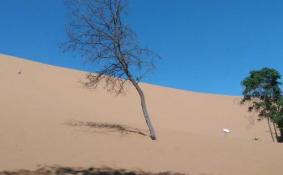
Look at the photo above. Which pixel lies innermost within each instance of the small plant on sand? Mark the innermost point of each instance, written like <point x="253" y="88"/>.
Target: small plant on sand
<point x="263" y="94"/>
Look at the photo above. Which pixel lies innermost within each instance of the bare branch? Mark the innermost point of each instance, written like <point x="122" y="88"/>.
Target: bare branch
<point x="97" y="32"/>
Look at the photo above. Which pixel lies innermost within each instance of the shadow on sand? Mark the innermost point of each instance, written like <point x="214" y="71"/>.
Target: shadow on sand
<point x="57" y="170"/>
<point x="107" y="128"/>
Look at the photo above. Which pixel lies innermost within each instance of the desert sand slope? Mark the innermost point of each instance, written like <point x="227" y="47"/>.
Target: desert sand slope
<point x="47" y="117"/>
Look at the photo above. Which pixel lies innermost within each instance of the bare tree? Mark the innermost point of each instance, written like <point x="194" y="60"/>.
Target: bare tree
<point x="97" y="32"/>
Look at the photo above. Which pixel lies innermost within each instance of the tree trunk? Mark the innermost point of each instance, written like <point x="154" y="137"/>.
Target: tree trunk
<point x="271" y="133"/>
<point x="144" y="109"/>
<point x="280" y="138"/>
<point x="275" y="131"/>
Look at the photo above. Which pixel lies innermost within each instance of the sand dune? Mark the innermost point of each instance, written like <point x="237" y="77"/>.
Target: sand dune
<point x="48" y="118"/>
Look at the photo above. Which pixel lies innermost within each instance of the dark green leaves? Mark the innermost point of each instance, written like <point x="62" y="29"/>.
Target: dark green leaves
<point x="262" y="91"/>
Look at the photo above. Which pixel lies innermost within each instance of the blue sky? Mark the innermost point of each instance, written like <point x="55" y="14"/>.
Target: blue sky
<point x="207" y="45"/>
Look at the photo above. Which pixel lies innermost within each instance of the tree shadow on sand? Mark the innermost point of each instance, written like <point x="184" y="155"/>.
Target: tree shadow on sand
<point x="57" y="170"/>
<point x="107" y="128"/>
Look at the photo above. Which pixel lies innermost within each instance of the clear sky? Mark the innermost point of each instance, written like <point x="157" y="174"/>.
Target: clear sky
<point x="206" y="45"/>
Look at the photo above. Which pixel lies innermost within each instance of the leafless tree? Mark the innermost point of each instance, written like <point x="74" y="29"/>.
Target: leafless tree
<point x="97" y="32"/>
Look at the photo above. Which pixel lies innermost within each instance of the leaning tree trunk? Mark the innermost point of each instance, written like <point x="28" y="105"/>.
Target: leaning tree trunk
<point x="275" y="131"/>
<point x="280" y="126"/>
<point x="144" y="109"/>
<point x="271" y="133"/>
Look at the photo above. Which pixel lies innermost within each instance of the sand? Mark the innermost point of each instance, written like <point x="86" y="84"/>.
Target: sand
<point x="48" y="117"/>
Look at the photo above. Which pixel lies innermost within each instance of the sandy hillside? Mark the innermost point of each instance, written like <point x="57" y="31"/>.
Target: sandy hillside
<point x="47" y="117"/>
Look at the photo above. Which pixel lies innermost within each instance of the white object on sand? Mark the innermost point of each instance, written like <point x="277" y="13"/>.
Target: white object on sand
<point x="226" y="130"/>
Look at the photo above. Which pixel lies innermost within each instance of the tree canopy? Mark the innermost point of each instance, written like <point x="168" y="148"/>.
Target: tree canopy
<point x="262" y="90"/>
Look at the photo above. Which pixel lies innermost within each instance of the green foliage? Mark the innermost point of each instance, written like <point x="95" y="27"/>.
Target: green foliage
<point x="277" y="114"/>
<point x="262" y="89"/>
